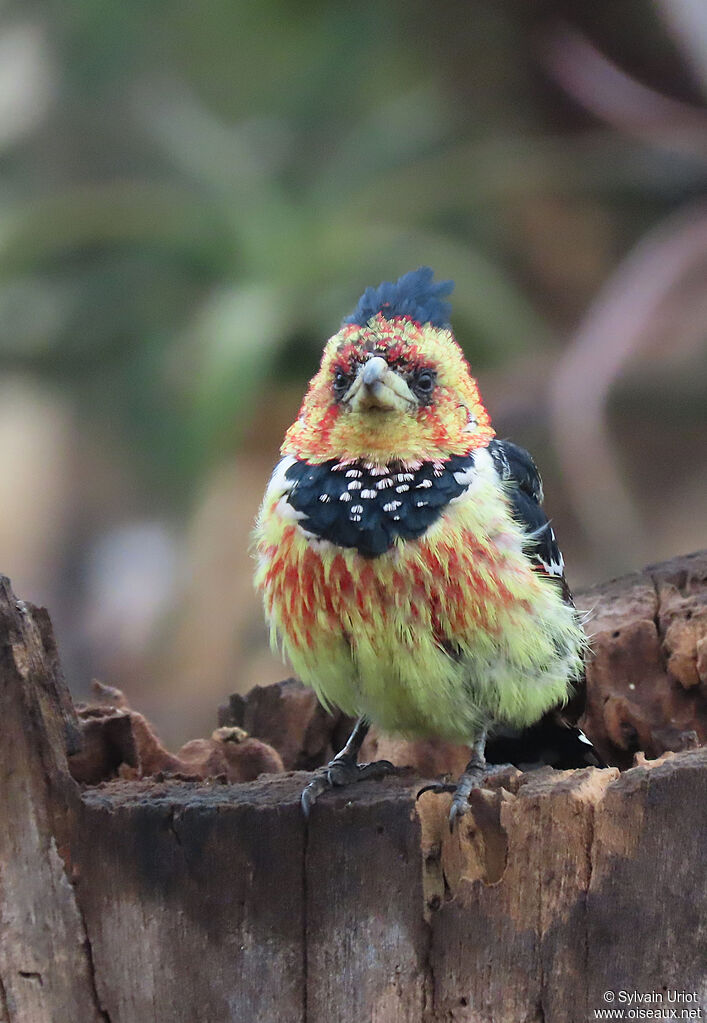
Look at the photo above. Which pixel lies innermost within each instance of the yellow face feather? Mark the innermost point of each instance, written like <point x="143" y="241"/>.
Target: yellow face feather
<point x="453" y="422"/>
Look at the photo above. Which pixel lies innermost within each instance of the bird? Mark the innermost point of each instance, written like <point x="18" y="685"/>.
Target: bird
<point x="407" y="568"/>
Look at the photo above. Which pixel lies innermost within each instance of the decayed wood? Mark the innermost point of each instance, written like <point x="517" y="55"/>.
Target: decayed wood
<point x="118" y="741"/>
<point x="219" y="903"/>
<point x="647" y="669"/>
<point x="45" y="965"/>
<point x="366" y="939"/>
<point x="147" y="901"/>
<point x="569" y="887"/>
<point x="193" y="899"/>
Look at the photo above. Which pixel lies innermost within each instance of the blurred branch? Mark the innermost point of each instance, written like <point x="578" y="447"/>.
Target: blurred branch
<point x="619" y="326"/>
<point x="612" y="95"/>
<point x="687" y="22"/>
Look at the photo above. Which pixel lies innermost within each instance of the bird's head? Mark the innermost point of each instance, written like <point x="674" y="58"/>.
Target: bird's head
<point x="393" y="383"/>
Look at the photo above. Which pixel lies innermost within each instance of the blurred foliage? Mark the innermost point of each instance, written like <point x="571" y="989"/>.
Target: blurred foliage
<point x="193" y="195"/>
<point x="198" y="192"/>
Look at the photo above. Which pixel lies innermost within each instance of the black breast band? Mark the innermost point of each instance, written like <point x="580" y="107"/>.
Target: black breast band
<point x="358" y="504"/>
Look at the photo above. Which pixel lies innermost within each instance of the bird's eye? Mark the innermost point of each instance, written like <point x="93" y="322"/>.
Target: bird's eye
<point x="341" y="383"/>
<point x="424" y="383"/>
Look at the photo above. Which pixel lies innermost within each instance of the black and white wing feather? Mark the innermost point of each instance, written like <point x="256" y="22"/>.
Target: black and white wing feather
<point x="555" y="739"/>
<point x="519" y="472"/>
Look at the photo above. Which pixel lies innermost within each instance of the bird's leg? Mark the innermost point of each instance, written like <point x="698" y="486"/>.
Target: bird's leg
<point x="344" y="769"/>
<point x="471" y="778"/>
<point x="474" y="773"/>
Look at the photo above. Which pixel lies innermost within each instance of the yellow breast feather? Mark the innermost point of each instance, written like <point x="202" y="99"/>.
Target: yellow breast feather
<point x="438" y="635"/>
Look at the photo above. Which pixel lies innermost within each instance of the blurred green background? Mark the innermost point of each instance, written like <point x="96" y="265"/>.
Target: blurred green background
<point x="193" y="195"/>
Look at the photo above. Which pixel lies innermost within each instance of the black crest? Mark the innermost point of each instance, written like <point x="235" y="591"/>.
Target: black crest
<point x="415" y="295"/>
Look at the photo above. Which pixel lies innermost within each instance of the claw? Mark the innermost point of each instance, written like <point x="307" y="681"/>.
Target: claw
<point x="437" y="786"/>
<point x="457" y="810"/>
<point x="460" y="802"/>
<point x="376" y="769"/>
<point x="341" y="771"/>
<point x="473" y="778"/>
<point x="312" y="792"/>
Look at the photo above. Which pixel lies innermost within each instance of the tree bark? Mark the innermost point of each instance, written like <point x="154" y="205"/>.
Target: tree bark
<point x="149" y="901"/>
<point x="46" y="970"/>
<point x="647" y="667"/>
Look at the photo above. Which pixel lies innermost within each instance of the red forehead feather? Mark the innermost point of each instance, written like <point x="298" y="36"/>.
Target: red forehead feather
<point x="323" y="432"/>
<point x="382" y="337"/>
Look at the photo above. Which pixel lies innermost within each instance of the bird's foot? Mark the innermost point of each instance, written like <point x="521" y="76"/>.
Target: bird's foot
<point x="342" y="770"/>
<point x="473" y="777"/>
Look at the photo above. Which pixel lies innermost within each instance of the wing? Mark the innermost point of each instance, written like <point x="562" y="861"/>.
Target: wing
<point x="517" y="469"/>
<point x="525" y="491"/>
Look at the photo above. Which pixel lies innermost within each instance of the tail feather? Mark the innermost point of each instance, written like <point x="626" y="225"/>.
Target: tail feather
<point x="551" y="741"/>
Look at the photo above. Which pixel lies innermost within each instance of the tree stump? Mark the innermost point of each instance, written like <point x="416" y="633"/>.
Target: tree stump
<point x="149" y="901"/>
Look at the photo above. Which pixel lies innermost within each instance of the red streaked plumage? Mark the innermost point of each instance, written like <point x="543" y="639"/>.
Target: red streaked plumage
<point x="436" y="622"/>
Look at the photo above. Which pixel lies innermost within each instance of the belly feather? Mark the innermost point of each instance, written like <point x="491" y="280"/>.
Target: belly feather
<point x="437" y="636"/>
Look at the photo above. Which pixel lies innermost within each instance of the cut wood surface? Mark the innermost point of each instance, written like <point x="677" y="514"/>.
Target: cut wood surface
<point x="160" y="899"/>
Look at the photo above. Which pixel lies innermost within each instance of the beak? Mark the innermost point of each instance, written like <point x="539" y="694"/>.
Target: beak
<point x="378" y="387"/>
<point x="373" y="371"/>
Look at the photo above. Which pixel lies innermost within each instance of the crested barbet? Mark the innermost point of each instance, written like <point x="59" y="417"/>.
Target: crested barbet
<point x="406" y="564"/>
